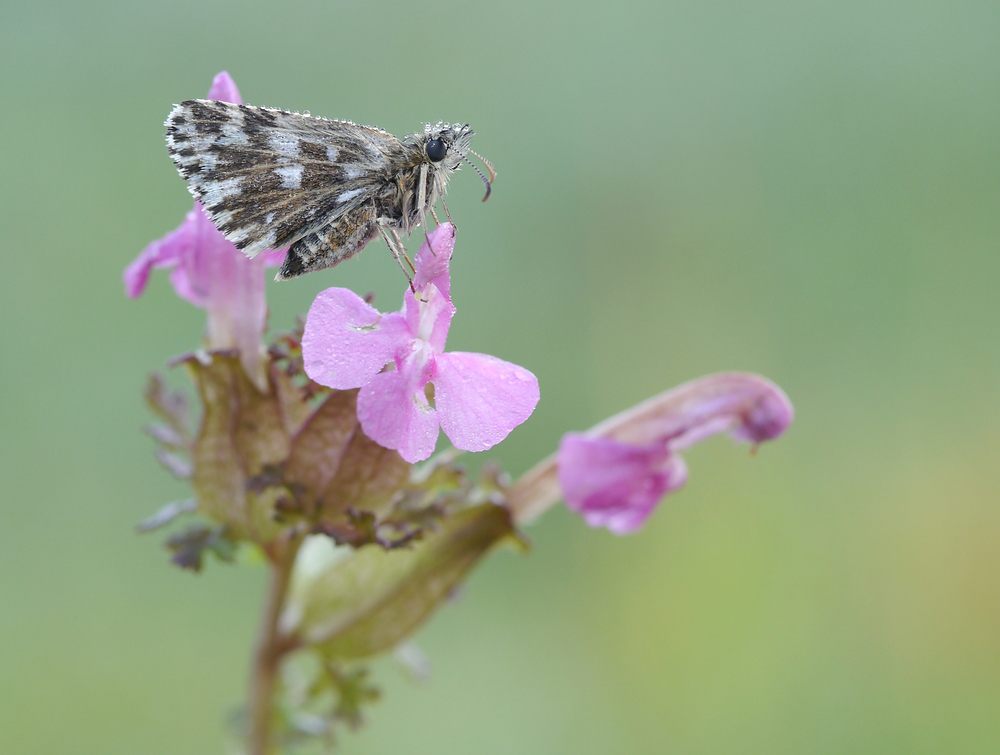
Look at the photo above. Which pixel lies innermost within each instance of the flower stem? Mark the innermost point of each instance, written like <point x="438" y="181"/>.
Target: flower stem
<point x="536" y="491"/>
<point x="269" y="649"/>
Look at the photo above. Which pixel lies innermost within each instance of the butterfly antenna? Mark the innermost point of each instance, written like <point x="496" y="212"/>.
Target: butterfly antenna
<point x="488" y="182"/>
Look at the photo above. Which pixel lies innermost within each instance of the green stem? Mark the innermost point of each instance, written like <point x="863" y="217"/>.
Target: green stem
<point x="269" y="649"/>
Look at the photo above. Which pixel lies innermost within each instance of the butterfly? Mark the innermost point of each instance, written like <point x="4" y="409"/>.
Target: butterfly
<point x="271" y="178"/>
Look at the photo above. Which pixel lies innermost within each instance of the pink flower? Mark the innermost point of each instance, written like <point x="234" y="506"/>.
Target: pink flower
<point x="211" y="272"/>
<point x="615" y="474"/>
<point x="478" y="399"/>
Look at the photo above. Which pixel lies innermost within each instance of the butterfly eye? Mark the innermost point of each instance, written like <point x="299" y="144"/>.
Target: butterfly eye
<point x="435" y="150"/>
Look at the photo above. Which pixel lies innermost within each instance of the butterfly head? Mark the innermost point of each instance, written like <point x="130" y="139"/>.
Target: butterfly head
<point x="446" y="145"/>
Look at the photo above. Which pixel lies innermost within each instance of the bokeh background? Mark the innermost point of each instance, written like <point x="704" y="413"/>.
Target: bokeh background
<point x="805" y="190"/>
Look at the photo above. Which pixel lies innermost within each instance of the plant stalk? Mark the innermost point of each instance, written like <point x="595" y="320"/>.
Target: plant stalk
<point x="269" y="649"/>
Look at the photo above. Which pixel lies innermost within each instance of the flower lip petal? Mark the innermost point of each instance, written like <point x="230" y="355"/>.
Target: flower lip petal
<point x="481" y="398"/>
<point x="394" y="413"/>
<point x="616" y="485"/>
<point x="347" y="341"/>
<point x="163" y="252"/>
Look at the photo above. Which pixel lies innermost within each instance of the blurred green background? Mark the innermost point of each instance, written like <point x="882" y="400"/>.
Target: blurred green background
<point x="805" y="190"/>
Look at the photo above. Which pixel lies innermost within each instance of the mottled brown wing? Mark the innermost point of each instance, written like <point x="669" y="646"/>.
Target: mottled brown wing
<point x="269" y="178"/>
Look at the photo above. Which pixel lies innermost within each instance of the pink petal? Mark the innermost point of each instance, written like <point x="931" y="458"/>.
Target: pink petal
<point x="346" y="341"/>
<point x="136" y="275"/>
<point x="616" y="485"/>
<point x="394" y="413"/>
<point x="433" y="261"/>
<point x="165" y="252"/>
<point x="480" y="398"/>
<point x="180" y="280"/>
<point x="224" y="89"/>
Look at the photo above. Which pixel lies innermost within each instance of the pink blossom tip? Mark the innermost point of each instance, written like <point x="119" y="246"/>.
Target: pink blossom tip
<point x="224" y="89"/>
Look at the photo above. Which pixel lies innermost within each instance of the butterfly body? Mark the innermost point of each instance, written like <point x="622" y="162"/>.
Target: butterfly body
<point x="271" y="178"/>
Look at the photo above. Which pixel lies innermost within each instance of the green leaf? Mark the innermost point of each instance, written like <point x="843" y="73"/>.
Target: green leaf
<point x="373" y="599"/>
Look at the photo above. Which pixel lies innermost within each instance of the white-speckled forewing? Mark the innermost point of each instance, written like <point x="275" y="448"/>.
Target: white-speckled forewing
<point x="270" y="178"/>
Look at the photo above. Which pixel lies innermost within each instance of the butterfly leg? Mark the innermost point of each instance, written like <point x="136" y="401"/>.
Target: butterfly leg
<point x="423" y="205"/>
<point x="395" y="245"/>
